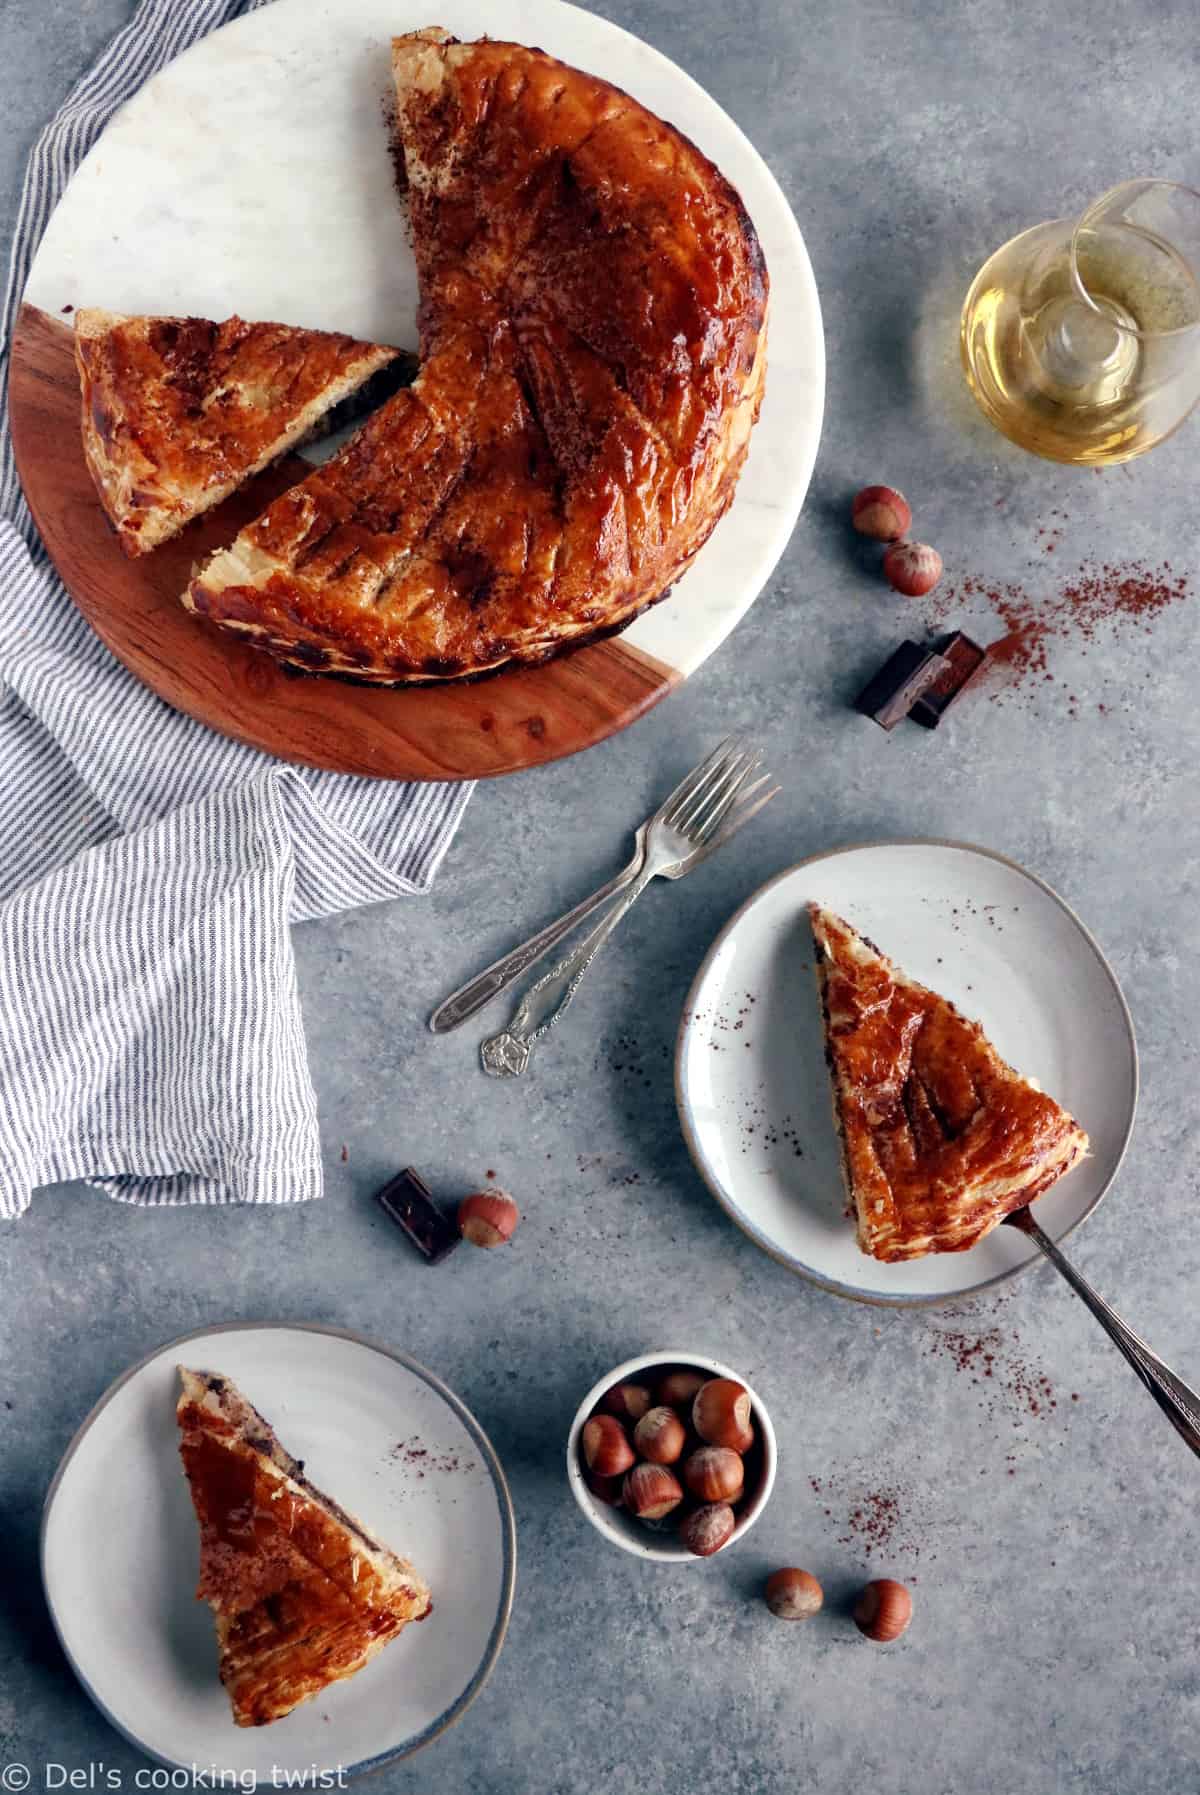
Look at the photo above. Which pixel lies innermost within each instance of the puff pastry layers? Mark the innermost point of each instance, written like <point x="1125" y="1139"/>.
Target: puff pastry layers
<point x="178" y="412"/>
<point x="593" y="342"/>
<point x="303" y="1596"/>
<point x="941" y="1139"/>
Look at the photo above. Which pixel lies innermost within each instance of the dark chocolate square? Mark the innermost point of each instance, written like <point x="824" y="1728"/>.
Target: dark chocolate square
<point x="889" y="697"/>
<point x="963" y="659"/>
<point x="409" y="1203"/>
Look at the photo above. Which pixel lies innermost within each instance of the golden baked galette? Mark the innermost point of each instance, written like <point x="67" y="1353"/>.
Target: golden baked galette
<point x="302" y="1594"/>
<point x="592" y="322"/>
<point x="178" y="412"/>
<point x="940" y="1138"/>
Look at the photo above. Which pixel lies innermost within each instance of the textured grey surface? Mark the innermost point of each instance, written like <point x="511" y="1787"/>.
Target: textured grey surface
<point x="1055" y="1641"/>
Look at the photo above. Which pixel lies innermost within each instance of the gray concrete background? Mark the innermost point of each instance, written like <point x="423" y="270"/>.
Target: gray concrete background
<point x="1055" y="1641"/>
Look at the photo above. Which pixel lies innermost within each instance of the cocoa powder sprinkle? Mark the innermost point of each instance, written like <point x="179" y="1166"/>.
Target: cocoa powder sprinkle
<point x="421" y="1459"/>
<point x="1097" y="600"/>
<point x="994" y="1362"/>
<point x="876" y="1522"/>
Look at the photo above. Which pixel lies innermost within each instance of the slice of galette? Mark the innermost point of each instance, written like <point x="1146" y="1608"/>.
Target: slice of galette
<point x="940" y="1137"/>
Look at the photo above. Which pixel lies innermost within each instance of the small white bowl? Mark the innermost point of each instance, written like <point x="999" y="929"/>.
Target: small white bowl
<point x="623" y="1529"/>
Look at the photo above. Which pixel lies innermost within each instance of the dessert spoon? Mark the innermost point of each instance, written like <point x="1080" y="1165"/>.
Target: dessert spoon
<point x="1179" y="1404"/>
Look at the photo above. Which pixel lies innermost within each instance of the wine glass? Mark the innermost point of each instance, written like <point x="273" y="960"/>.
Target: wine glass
<point x="1081" y="340"/>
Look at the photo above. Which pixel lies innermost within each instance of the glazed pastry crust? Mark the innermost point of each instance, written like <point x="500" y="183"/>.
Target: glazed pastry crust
<point x="178" y="412"/>
<point x="940" y="1138"/>
<point x="593" y="341"/>
<point x="302" y="1594"/>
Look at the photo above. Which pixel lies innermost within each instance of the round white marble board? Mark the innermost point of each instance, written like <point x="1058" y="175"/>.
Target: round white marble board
<point x="383" y="1437"/>
<point x="253" y="175"/>
<point x="753" y="1087"/>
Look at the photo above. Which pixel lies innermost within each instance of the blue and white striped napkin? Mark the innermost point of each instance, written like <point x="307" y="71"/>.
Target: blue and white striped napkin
<point x="150" y="1032"/>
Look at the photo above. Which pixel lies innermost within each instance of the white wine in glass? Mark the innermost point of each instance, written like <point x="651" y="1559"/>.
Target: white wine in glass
<point x="1081" y="339"/>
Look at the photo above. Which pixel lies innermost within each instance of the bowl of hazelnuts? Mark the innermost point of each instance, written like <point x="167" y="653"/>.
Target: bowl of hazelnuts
<point x="672" y="1456"/>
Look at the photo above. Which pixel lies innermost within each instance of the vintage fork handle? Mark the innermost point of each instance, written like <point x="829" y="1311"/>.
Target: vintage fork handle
<point x="506" y="1055"/>
<point x="462" y="1004"/>
<point x="1179" y="1403"/>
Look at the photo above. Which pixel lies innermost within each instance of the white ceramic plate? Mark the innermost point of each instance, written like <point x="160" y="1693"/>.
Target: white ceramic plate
<point x="120" y="1550"/>
<point x="252" y="175"/>
<point x="750" y="1073"/>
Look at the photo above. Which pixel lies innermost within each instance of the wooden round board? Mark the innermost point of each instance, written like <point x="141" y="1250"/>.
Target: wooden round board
<point x="497" y="725"/>
<point x="253" y="175"/>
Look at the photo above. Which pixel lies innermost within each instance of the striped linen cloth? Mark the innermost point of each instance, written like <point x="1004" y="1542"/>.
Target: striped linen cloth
<point x="151" y="1041"/>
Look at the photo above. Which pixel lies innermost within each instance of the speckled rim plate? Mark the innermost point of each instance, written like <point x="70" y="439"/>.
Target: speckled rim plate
<point x="751" y="1083"/>
<point x="336" y="1396"/>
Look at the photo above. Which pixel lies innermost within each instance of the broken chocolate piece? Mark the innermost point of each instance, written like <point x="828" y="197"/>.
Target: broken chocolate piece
<point x="407" y="1199"/>
<point x="903" y="678"/>
<point x="964" y="658"/>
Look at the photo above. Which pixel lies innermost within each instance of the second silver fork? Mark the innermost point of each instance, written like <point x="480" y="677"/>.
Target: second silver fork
<point x="676" y="840"/>
<point x="479" y="991"/>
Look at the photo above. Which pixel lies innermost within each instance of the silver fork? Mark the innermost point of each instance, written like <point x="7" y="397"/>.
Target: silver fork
<point x="677" y="838"/>
<point x="464" y="1003"/>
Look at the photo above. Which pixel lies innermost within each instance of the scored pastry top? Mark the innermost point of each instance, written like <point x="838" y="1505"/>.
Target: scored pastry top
<point x="178" y="412"/>
<point x="302" y="1594"/>
<point x="593" y="337"/>
<point x="941" y="1138"/>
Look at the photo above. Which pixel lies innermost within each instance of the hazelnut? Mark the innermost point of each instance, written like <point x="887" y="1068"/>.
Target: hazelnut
<point x="651" y="1491"/>
<point x="913" y="568"/>
<point x="715" y="1474"/>
<point x="721" y="1414"/>
<point x="883" y="1610"/>
<point x="707" y="1529"/>
<point x="628" y="1402"/>
<point x="881" y="512"/>
<point x="606" y="1448"/>
<point x="488" y="1219"/>
<point x="660" y="1436"/>
<point x="793" y="1595"/>
<point x="678" y="1388"/>
<point x="608" y="1490"/>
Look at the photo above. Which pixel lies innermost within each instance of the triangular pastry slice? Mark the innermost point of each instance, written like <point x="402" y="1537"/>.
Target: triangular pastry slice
<point x="940" y="1138"/>
<point x="178" y="412"/>
<point x="302" y="1594"/>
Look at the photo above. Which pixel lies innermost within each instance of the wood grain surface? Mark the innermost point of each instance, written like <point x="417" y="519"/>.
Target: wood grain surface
<point x="511" y="721"/>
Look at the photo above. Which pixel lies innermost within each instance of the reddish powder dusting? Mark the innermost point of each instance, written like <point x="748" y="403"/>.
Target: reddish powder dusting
<point x="1008" y="1384"/>
<point x="412" y="1453"/>
<point x="1098" y="599"/>
<point x="876" y="1521"/>
<point x="760" y="1129"/>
